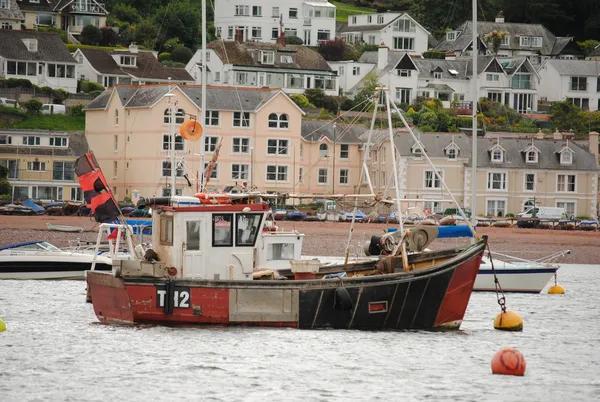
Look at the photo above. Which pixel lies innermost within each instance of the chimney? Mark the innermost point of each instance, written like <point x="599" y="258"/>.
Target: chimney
<point x="382" y="56"/>
<point x="540" y="134"/>
<point x="593" y="138"/>
<point x="450" y="55"/>
<point x="558" y="135"/>
<point x="133" y="48"/>
<point x="500" y="18"/>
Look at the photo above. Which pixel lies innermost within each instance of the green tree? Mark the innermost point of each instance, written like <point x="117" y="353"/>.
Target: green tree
<point x="587" y="46"/>
<point x="566" y="116"/>
<point x="332" y="50"/>
<point x="90" y="35"/>
<point x="181" y="55"/>
<point x="125" y="13"/>
<point x="145" y="33"/>
<point x="301" y="101"/>
<point x="368" y="90"/>
<point x="33" y="106"/>
<point x="180" y="20"/>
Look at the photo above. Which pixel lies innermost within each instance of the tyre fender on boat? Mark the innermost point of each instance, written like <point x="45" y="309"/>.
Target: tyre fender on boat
<point x="342" y="299"/>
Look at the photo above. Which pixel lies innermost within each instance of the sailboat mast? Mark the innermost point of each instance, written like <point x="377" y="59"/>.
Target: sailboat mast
<point x="202" y="116"/>
<point x="475" y="51"/>
<point x="172" y="111"/>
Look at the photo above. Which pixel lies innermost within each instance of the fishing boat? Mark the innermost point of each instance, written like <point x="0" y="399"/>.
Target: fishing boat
<point x="42" y="260"/>
<point x="64" y="228"/>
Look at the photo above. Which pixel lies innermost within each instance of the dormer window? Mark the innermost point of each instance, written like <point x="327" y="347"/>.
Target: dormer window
<point x="452" y="35"/>
<point x="31" y="44"/>
<point x="127" y="61"/>
<point x="532" y="157"/>
<point x="566" y="156"/>
<point x="497" y="153"/>
<point x="5" y="4"/>
<point x="505" y="41"/>
<point x="286" y="59"/>
<point x="530" y="41"/>
<point x="452" y="150"/>
<point x="437" y="75"/>
<point x="417" y="150"/>
<point x="267" y="57"/>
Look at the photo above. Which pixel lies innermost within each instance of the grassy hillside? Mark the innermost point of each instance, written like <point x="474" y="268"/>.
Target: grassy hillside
<point x="58" y="122"/>
<point x="344" y="10"/>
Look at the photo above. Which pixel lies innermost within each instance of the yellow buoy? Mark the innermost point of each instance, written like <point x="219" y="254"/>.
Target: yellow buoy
<point x="556" y="290"/>
<point x="2" y="325"/>
<point x="508" y="321"/>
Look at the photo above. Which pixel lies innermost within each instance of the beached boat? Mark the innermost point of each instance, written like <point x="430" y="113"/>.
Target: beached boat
<point x="64" y="228"/>
<point x="280" y="214"/>
<point x="41" y="260"/>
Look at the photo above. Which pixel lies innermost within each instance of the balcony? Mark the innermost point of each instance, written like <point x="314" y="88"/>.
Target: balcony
<point x="86" y="8"/>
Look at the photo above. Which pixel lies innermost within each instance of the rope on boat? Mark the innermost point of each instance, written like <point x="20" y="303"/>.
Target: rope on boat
<point x="499" y="292"/>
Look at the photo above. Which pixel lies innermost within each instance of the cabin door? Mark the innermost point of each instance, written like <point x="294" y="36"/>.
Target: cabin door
<point x="194" y="245"/>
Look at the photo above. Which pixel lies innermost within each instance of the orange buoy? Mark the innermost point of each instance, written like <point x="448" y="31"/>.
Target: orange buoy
<point x="191" y="130"/>
<point x="508" y="361"/>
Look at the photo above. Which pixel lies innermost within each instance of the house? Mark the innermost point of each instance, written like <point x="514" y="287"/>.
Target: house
<point x="533" y="41"/>
<point x="41" y="163"/>
<point x="38" y="13"/>
<point x="75" y="14"/>
<point x="399" y="31"/>
<point x="262" y="21"/>
<point x="292" y="68"/>
<point x="39" y="57"/>
<point x="10" y="15"/>
<point x="350" y="73"/>
<point x="512" y="172"/>
<point x="509" y="81"/>
<point x="130" y="66"/>
<point x="577" y="81"/>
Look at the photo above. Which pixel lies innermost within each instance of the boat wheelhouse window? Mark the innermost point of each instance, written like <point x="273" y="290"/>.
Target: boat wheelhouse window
<point x="166" y="230"/>
<point x="247" y="226"/>
<point x="280" y="251"/>
<point x="222" y="230"/>
<point x="192" y="229"/>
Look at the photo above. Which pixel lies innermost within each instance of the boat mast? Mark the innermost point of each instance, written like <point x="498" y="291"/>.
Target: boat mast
<point x="394" y="166"/>
<point x="172" y="111"/>
<point x="475" y="51"/>
<point x="202" y="116"/>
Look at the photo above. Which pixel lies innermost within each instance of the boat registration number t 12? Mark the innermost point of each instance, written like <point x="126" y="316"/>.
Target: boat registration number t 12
<point x="178" y="296"/>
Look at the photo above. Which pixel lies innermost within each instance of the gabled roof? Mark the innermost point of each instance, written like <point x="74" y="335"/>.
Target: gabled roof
<point x="217" y="98"/>
<point x="50" y="47"/>
<point x="147" y="67"/>
<point x="12" y="12"/>
<point x="595" y="52"/>
<point x="248" y="54"/>
<point x="40" y="5"/>
<point x="576" y="67"/>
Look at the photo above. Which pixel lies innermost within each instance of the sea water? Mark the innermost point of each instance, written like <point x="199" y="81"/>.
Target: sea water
<point x="54" y="350"/>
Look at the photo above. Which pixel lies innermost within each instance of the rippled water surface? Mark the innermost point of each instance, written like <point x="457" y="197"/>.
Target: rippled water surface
<point x="55" y="350"/>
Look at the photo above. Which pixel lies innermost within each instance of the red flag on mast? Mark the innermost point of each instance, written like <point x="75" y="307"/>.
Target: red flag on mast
<point x="96" y="191"/>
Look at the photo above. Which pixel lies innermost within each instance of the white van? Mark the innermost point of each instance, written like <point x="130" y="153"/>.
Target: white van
<point x="49" y="108"/>
<point x="543" y="213"/>
<point x="8" y="102"/>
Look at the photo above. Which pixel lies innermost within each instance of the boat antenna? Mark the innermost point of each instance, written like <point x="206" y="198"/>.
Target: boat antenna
<point x="203" y="94"/>
<point x="475" y="51"/>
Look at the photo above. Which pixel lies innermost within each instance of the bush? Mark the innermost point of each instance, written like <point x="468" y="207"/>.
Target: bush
<point x="89" y="86"/>
<point x="293" y="40"/>
<point x="5" y="187"/>
<point x="77" y="110"/>
<point x="47" y="90"/>
<point x="60" y="32"/>
<point x="332" y="50"/>
<point x="181" y="55"/>
<point x="164" y="56"/>
<point x="3" y="172"/>
<point x="301" y="100"/>
<point x="171" y="44"/>
<point x="33" y="106"/>
<point x="434" y="54"/>
<point x="109" y="36"/>
<point x="90" y="35"/>
<point x="17" y="83"/>
<point x="59" y="95"/>
<point x="172" y="64"/>
<point x="13" y="111"/>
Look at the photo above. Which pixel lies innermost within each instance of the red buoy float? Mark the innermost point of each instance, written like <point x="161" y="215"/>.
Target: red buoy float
<point x="508" y="361"/>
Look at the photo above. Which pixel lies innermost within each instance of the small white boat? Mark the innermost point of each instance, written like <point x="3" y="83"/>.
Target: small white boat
<point x="64" y="228"/>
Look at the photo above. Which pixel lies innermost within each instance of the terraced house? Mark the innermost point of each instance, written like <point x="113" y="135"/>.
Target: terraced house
<point x="40" y="163"/>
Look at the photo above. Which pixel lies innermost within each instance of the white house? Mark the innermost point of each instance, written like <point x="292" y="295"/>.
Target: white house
<point x="292" y="68"/>
<point x="10" y="15"/>
<point x="574" y="80"/>
<point x="262" y="21"/>
<point x="533" y="41"/>
<point x="39" y="57"/>
<point x="350" y="72"/>
<point x="398" y="31"/>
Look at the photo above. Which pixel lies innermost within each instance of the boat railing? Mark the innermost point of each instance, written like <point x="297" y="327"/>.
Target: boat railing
<point x="550" y="260"/>
<point x="124" y="237"/>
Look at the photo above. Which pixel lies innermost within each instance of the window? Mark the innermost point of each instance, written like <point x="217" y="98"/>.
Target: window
<point x="437" y="75"/>
<point x="369" y="19"/>
<point x="241" y="145"/>
<point x="403" y="73"/>
<point x="323" y="34"/>
<point x="598" y="85"/>
<point x="404" y="25"/>
<point x="496" y="181"/>
<point x="278" y="120"/>
<point x="566" y="157"/>
<point x="371" y="39"/>
<point x="5" y="25"/>
<point x="63" y="171"/>
<point x="241" y="119"/>
<point x="380" y="19"/>
<point x="242" y="10"/>
<point x="291" y="32"/>
<point x="13" y="167"/>
<point x="451" y="153"/>
<point x="267" y="57"/>
<point x="274" y="33"/>
<point x="403" y="95"/>
<point x="496" y="207"/>
<point x="344" y="151"/>
<point x="300" y="174"/>
<point x="530" y="41"/>
<point x="529" y="181"/>
<point x="277" y="173"/>
<point x="214" y="172"/>
<point x="323" y="82"/>
<point x="344" y="175"/>
<point x="166" y="169"/>
<point x="239" y="171"/>
<point x="578" y="83"/>
<point x="451" y="36"/>
<point x="166" y="191"/>
<point x="60" y="71"/>
<point x="505" y="41"/>
<point x="275" y="12"/>
<point x="6" y="140"/>
<point x="497" y="155"/>
<point x="30" y="140"/>
<point x="382" y="183"/>
<point x="219" y="32"/>
<point x="492" y="77"/>
<point x="565" y="183"/>
<point x="57" y="141"/>
<point x="432" y="180"/>
<point x="246" y="229"/>
<point x="116" y="143"/>
<point x="210" y="143"/>
<point x="179" y="116"/>
<point x="36" y="166"/>
<point x="256" y="32"/>
<point x="495" y="96"/>
<point x="217" y="76"/>
<point x="582" y="103"/>
<point x="127" y="61"/>
<point x="355" y="70"/>
<point x="532" y="156"/>
<point x="116" y="117"/>
<point x="323" y="150"/>
<point x="211" y="118"/>
<point x="46" y="193"/>
<point x="21" y="68"/>
<point x="167" y="142"/>
<point x="222" y="230"/>
<point x="293" y="13"/>
<point x="354" y="19"/>
<point x="433" y="206"/>
<point x="401" y="43"/>
<point x="286" y="59"/>
<point x="230" y="32"/>
<point x="521" y="81"/>
<point x="569" y="207"/>
<point x="115" y="171"/>
<point x="322" y="176"/>
<point x="241" y="78"/>
<point x="277" y="147"/>
<point x="76" y="194"/>
<point x="256" y="11"/>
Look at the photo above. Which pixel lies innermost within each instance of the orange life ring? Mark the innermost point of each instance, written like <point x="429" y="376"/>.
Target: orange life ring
<point x="191" y="130"/>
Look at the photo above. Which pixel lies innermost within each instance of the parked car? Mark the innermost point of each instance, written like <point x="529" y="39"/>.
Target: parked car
<point x="50" y="108"/>
<point x="543" y="213"/>
<point x="455" y="211"/>
<point x="8" y="102"/>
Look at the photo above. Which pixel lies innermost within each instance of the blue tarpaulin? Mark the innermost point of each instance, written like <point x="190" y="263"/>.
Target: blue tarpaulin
<point x="448" y="232"/>
<point x="35" y="207"/>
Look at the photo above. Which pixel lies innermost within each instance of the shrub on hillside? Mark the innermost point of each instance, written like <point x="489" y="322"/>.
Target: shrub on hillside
<point x="89" y="86"/>
<point x="11" y="111"/>
<point x="17" y="83"/>
<point x="77" y="110"/>
<point x="164" y="56"/>
<point x="301" y="100"/>
<point x="90" y="35"/>
<point x="33" y="106"/>
<point x="181" y="55"/>
<point x="109" y="37"/>
<point x="332" y="50"/>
